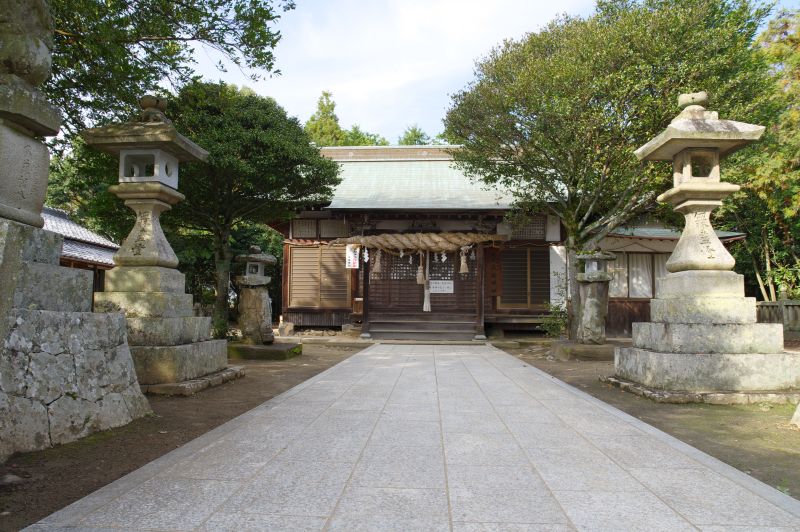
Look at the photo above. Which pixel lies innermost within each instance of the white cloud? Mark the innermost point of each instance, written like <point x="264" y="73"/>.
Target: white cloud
<point x="389" y="63"/>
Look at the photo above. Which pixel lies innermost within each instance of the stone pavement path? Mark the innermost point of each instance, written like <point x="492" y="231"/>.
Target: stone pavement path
<point x="423" y="437"/>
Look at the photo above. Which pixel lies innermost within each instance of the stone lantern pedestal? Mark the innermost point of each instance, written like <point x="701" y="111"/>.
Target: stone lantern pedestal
<point x="703" y="342"/>
<point x="593" y="286"/>
<point x="172" y="349"/>
<point x="255" y="308"/>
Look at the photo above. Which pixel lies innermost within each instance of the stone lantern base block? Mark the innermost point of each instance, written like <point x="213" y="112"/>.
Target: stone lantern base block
<point x="700" y="283"/>
<point x="709" y="338"/>
<point x="176" y="363"/>
<point x="168" y="331"/>
<point x="145" y="279"/>
<point x="52" y="287"/>
<point x="709" y="372"/>
<point x="704" y="310"/>
<point x="149" y="304"/>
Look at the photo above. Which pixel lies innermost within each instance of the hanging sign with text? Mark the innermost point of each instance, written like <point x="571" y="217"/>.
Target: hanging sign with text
<point x="351" y="257"/>
<point x="441" y="287"/>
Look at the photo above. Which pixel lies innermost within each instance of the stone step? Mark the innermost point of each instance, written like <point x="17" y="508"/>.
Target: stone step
<point x="704" y="310"/>
<point x="168" y="331"/>
<point x="145" y="304"/>
<point x="709" y="338"/>
<point x="43" y="286"/>
<point x="177" y="363"/>
<point x="706" y="372"/>
<point x="145" y="279"/>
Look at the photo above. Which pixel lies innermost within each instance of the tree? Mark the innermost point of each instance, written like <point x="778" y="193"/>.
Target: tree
<point x="555" y="117"/>
<point x="414" y="136"/>
<point x="107" y="54"/>
<point x="767" y="206"/>
<point x="324" y="129"/>
<point x="261" y="167"/>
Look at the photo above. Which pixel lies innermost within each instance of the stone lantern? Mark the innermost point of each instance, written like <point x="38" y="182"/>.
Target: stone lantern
<point x="169" y="344"/>
<point x="703" y="336"/>
<point x="255" y="308"/>
<point x="593" y="285"/>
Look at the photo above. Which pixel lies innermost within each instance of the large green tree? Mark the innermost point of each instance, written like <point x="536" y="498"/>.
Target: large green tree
<point x="261" y="167"/>
<point x="324" y="129"/>
<point x="110" y="52"/>
<point x="768" y="205"/>
<point x="555" y="116"/>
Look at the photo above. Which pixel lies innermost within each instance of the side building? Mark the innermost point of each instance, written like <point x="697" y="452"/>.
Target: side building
<point x="504" y="278"/>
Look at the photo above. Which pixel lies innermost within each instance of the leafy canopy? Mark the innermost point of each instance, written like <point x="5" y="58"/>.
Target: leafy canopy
<point x="414" y="136"/>
<point x="108" y="53"/>
<point x="555" y="116"/>
<point x="261" y="163"/>
<point x="324" y="129"/>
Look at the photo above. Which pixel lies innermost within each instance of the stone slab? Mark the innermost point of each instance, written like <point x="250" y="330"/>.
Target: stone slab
<point x="700" y="283"/>
<point x="709" y="372"/>
<point x="572" y="351"/>
<point x="63" y="376"/>
<point x="711" y="398"/>
<point x="176" y="363"/>
<point x="27" y="106"/>
<point x="26" y="166"/>
<point x="300" y="455"/>
<point x="275" y="351"/>
<point x="144" y="279"/>
<point x="145" y="304"/>
<point x="49" y="287"/>
<point x="168" y="331"/>
<point x="704" y="310"/>
<point x="709" y="338"/>
<point x="191" y="387"/>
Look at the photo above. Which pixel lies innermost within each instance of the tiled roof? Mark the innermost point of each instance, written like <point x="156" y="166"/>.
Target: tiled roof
<point x="407" y="178"/>
<point x="88" y="252"/>
<point x="79" y="242"/>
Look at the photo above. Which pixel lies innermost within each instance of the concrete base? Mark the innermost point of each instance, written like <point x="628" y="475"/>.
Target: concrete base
<point x="275" y="351"/>
<point x="193" y="386"/>
<point x="565" y="350"/>
<point x="178" y="363"/>
<point x="709" y="372"/>
<point x="711" y="398"/>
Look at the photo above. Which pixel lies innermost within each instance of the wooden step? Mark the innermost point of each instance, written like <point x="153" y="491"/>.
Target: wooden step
<point x="409" y="325"/>
<point x="421" y="335"/>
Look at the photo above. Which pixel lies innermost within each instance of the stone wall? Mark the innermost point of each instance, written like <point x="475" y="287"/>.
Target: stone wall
<point x="64" y="372"/>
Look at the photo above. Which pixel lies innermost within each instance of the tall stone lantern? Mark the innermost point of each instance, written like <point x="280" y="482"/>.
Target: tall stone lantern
<point x="169" y="344"/>
<point x="703" y="336"/>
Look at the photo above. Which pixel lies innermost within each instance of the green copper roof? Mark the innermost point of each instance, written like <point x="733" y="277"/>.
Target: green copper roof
<point x="412" y="184"/>
<point x="664" y="233"/>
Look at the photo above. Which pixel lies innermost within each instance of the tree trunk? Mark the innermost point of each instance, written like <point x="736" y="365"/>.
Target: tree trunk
<point x="573" y="291"/>
<point x="222" y="262"/>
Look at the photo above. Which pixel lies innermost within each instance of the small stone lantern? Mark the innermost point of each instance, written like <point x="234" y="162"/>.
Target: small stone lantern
<point x="703" y="336"/>
<point x="255" y="307"/>
<point x="593" y="285"/>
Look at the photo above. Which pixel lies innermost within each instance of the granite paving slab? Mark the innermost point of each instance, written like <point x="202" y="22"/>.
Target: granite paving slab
<point x="433" y="437"/>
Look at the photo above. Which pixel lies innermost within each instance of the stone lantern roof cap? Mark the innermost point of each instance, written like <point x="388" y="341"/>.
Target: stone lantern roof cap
<point x="255" y="255"/>
<point x="153" y="131"/>
<point x="695" y="127"/>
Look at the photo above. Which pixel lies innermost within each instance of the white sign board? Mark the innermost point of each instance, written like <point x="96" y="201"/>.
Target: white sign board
<point x="441" y="287"/>
<point x="351" y="257"/>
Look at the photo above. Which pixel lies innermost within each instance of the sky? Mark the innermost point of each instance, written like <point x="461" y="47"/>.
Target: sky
<point x="389" y="63"/>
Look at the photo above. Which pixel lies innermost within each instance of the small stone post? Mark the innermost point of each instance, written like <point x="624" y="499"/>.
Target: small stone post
<point x="169" y="344"/>
<point x="255" y="309"/>
<point x="703" y="336"/>
<point x="593" y="285"/>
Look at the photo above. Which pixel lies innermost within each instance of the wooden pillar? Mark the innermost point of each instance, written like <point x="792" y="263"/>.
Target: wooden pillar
<point x="480" y="333"/>
<point x="365" y="316"/>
